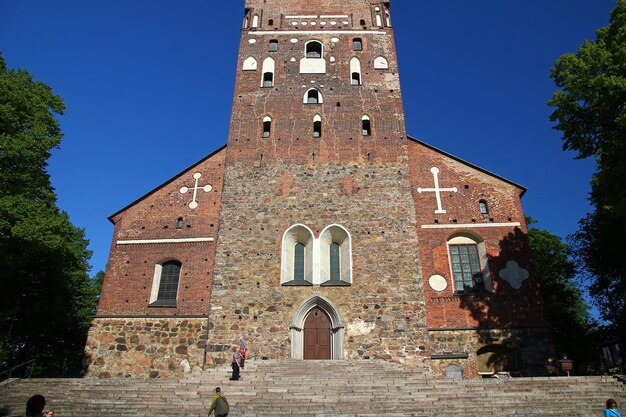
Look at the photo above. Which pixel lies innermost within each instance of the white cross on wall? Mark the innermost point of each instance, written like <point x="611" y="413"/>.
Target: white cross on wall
<point x="207" y="188"/>
<point x="437" y="190"/>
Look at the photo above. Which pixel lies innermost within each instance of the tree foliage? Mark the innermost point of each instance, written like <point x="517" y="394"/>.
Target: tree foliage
<point x="47" y="298"/>
<point x="565" y="309"/>
<point x="590" y="110"/>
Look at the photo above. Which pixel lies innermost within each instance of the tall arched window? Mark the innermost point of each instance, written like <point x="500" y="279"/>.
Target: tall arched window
<point x="298" y="262"/>
<point x="313" y="49"/>
<point x="268" y="73"/>
<point x="335" y="263"/>
<point x="355" y="71"/>
<point x="297" y="256"/>
<point x="366" y="126"/>
<point x="336" y="256"/>
<point x="267" y="127"/>
<point x="317" y="126"/>
<point x="313" y="96"/>
<point x="165" y="284"/>
<point x="255" y="21"/>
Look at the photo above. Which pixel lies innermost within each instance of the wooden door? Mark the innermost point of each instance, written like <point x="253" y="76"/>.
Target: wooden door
<point x="317" y="335"/>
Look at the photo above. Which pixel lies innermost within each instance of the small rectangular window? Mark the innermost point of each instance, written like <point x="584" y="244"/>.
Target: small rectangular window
<point x="273" y="45"/>
<point x="367" y="128"/>
<point x="357" y="44"/>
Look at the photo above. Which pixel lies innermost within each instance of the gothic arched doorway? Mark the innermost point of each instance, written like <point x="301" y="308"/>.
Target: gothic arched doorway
<point x="314" y="319"/>
<point x="317" y="330"/>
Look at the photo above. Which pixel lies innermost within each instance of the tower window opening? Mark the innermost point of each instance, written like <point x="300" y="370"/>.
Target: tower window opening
<point x="362" y="22"/>
<point x="366" y="126"/>
<point x="273" y="45"/>
<point x="267" y="127"/>
<point x="179" y="223"/>
<point x="357" y="43"/>
<point x="317" y="127"/>
<point x="484" y="208"/>
<point x="255" y="21"/>
<point x="313" y="97"/>
<point x="270" y="22"/>
<point x="268" y="79"/>
<point x="314" y="50"/>
<point x="355" y="71"/>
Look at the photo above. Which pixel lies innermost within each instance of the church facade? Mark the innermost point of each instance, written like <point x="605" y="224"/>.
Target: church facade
<point x="321" y="230"/>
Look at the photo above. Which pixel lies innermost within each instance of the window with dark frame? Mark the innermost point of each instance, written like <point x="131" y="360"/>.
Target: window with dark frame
<point x="367" y="127"/>
<point x="179" y="223"/>
<point x="268" y="79"/>
<point x="273" y="45"/>
<point x="484" y="208"/>
<point x="317" y="129"/>
<point x="314" y="50"/>
<point x="356" y="78"/>
<point x="468" y="275"/>
<point x="267" y="128"/>
<point x="168" y="286"/>
<point x="357" y="44"/>
<point x="313" y="97"/>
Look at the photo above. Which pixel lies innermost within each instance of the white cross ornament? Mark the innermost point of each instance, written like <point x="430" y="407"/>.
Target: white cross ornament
<point x="184" y="190"/>
<point x="437" y="190"/>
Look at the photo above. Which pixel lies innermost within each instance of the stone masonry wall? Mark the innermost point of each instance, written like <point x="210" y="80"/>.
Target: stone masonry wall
<point x="145" y="347"/>
<point x="383" y="310"/>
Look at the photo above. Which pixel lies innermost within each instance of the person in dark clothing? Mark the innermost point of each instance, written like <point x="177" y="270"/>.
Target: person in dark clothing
<point x="35" y="405"/>
<point x="235" y="364"/>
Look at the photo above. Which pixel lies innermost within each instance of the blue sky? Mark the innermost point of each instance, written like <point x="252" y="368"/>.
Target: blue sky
<point x="149" y="84"/>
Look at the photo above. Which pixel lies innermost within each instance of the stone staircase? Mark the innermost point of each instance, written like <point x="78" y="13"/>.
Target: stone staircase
<point x="321" y="389"/>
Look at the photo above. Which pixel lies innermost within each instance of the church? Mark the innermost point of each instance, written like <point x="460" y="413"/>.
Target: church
<point x="321" y="230"/>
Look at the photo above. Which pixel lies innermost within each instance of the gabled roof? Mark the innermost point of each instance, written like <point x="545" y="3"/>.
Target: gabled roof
<point x="166" y="182"/>
<point x="456" y="158"/>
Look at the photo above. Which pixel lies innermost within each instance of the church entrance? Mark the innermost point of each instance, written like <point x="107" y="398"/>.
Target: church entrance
<point x="317" y="329"/>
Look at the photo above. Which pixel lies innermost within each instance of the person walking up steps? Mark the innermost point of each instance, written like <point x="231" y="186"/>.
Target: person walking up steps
<point x="219" y="404"/>
<point x="235" y="364"/>
<point x="611" y="409"/>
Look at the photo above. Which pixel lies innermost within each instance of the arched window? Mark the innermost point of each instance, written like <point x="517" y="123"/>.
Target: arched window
<point x="366" y="126"/>
<point x="314" y="49"/>
<point x="335" y="263"/>
<point x="246" y="22"/>
<point x="317" y="126"/>
<point x="355" y="71"/>
<point x="165" y="284"/>
<point x="273" y="45"/>
<point x="267" y="127"/>
<point x="357" y="44"/>
<point x="469" y="264"/>
<point x="250" y="64"/>
<point x="268" y="73"/>
<point x="484" y="208"/>
<point x="313" y="96"/>
<point x="336" y="256"/>
<point x="297" y="256"/>
<point x="381" y="63"/>
<point x="298" y="262"/>
<point x="255" y="21"/>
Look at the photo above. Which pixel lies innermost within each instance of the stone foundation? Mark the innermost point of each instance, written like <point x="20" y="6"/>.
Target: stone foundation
<point x="145" y="347"/>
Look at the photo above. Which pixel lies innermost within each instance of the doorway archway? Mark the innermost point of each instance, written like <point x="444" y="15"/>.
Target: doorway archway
<point x="314" y="317"/>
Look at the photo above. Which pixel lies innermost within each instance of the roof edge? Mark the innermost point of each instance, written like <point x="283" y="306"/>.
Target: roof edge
<point x="110" y="218"/>
<point x="456" y="158"/>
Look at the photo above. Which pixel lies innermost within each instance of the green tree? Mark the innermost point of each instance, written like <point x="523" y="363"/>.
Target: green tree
<point x="47" y="297"/>
<point x="590" y="110"/>
<point x="565" y="309"/>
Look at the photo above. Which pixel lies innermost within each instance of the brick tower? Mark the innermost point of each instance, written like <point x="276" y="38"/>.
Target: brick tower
<point x="321" y="231"/>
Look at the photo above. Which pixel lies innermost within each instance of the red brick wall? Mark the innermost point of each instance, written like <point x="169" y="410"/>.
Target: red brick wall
<point x="130" y="270"/>
<point x="506" y="306"/>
